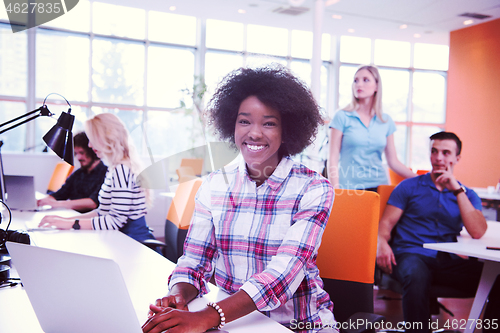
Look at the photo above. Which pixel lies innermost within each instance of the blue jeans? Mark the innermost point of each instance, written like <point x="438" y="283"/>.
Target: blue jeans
<point x="137" y="229"/>
<point x="418" y="272"/>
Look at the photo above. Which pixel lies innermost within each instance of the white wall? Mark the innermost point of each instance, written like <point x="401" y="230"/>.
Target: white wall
<point x="39" y="165"/>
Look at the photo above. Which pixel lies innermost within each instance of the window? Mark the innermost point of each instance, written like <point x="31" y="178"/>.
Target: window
<point x="166" y="79"/>
<point x="13" y="140"/>
<point x="355" y="50"/>
<point x="217" y="65"/>
<point x="13" y="62"/>
<point x="64" y="71"/>
<point x="117" y="72"/>
<point x="392" y="53"/>
<point x="142" y="66"/>
<point x="118" y="21"/>
<point x="429" y="93"/>
<point x="346" y="77"/>
<point x="302" y="44"/>
<point x="225" y="35"/>
<point x="396" y="88"/>
<point x="165" y="128"/>
<point x="267" y="40"/>
<point x="430" y="56"/>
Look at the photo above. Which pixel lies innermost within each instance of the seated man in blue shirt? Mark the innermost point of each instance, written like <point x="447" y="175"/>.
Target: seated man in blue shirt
<point x="81" y="189"/>
<point x="428" y="209"/>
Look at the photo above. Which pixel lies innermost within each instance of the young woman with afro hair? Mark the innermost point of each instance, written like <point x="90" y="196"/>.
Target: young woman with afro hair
<point x="257" y="224"/>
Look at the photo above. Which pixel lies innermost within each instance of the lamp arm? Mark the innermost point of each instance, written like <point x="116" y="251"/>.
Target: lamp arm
<point x="43" y="111"/>
<point x="69" y="111"/>
<point x="20" y="123"/>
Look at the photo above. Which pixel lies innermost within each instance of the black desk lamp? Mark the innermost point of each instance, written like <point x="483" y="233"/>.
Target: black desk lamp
<point x="59" y="138"/>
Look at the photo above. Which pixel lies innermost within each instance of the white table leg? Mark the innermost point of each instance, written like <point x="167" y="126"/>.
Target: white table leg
<point x="491" y="270"/>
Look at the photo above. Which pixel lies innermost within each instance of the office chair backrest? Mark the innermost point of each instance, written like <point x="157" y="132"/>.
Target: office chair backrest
<point x="422" y="172"/>
<point x="185" y="173"/>
<point x="349" y="245"/>
<point x="385" y="192"/>
<point x="61" y="172"/>
<point x="182" y="206"/>
<point x="346" y="257"/>
<point x="395" y="179"/>
<point x="195" y="163"/>
<point x="179" y="218"/>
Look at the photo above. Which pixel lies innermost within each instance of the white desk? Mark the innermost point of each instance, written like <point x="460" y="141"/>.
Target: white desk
<point x="491" y="199"/>
<point x="145" y="273"/>
<point x="467" y="246"/>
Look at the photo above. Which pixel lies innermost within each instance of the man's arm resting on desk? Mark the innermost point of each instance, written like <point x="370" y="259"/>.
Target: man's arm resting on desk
<point x="77" y="204"/>
<point x="473" y="219"/>
<point x="385" y="256"/>
<point x="233" y="307"/>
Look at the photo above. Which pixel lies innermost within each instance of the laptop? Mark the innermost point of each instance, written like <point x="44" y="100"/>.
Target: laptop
<point x="20" y="192"/>
<point x="73" y="292"/>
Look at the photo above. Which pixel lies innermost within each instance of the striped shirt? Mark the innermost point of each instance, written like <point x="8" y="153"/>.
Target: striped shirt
<point x="263" y="240"/>
<point x="120" y="199"/>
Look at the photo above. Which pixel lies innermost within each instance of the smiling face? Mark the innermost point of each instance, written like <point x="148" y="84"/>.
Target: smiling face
<point x="443" y="155"/>
<point x="258" y="136"/>
<point x="364" y="85"/>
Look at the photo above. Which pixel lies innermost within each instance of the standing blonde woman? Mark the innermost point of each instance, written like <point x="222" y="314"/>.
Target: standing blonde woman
<point x="122" y="201"/>
<point x="359" y="134"/>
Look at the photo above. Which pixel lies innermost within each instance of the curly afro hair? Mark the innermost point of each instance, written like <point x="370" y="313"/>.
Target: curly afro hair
<point x="277" y="88"/>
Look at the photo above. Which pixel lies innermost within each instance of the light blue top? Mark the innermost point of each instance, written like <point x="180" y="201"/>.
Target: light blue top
<point x="360" y="162"/>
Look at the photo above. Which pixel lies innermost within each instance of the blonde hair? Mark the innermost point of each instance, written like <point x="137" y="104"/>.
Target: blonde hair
<point x="377" y="100"/>
<point x="108" y="135"/>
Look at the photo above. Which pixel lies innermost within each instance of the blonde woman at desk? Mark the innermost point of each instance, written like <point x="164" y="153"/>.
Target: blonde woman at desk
<point x="258" y="224"/>
<point x="359" y="134"/>
<point x="122" y="202"/>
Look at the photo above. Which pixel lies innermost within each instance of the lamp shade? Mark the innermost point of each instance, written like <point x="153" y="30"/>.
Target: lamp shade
<point x="60" y="138"/>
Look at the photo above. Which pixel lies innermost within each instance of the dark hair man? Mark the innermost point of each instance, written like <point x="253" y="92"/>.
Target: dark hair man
<point x="81" y="189"/>
<point x="427" y="209"/>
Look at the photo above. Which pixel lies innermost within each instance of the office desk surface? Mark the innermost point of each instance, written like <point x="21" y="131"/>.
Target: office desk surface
<point x="467" y="246"/>
<point x="483" y="193"/>
<point x="145" y="273"/>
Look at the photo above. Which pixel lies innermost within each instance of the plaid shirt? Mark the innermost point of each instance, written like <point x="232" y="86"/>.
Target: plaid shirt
<point x="263" y="240"/>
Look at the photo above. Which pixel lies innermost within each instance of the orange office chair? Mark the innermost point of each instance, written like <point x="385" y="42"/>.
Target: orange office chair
<point x="395" y="179"/>
<point x="195" y="163"/>
<point x="61" y="172"/>
<point x="185" y="173"/>
<point x="385" y="192"/>
<point x="346" y="257"/>
<point x="178" y="220"/>
<point x="422" y="172"/>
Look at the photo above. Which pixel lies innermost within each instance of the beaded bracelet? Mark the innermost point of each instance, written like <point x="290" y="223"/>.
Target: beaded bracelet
<point x="221" y="314"/>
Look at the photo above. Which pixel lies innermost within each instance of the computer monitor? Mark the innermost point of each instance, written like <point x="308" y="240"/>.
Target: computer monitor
<point x="2" y="180"/>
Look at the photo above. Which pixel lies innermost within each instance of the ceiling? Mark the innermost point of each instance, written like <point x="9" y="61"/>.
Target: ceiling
<point x="427" y="21"/>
